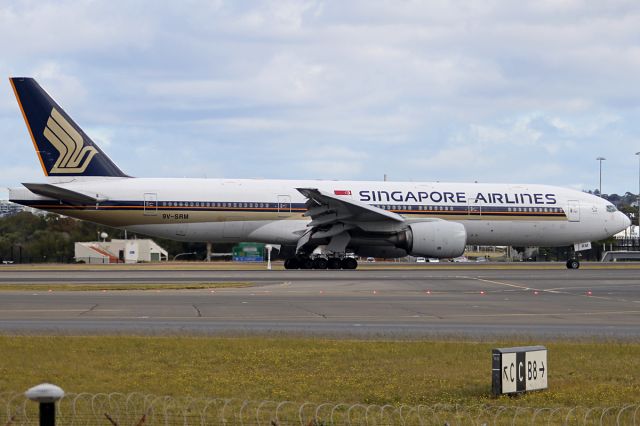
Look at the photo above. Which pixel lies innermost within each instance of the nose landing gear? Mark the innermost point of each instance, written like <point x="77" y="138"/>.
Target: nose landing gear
<point x="573" y="264"/>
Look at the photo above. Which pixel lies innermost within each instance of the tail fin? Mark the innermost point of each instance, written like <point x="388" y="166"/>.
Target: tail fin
<point x="62" y="147"/>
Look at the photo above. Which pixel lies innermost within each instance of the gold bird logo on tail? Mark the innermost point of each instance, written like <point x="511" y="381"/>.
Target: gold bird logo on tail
<point x="74" y="156"/>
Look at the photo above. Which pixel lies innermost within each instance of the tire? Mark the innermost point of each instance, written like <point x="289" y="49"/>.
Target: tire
<point x="349" y="263"/>
<point x="334" y="263"/>
<point x="320" y="263"/>
<point x="573" y="264"/>
<point x="291" y="263"/>
<point x="305" y="263"/>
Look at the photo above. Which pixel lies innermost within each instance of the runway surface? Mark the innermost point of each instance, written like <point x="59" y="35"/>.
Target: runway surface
<point x="599" y="304"/>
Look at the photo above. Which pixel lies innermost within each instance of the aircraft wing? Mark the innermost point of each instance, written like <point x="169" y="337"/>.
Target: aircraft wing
<point x="325" y="209"/>
<point x="334" y="217"/>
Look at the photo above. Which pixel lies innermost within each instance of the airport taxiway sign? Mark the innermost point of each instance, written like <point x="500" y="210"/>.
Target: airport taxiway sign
<point x="519" y="369"/>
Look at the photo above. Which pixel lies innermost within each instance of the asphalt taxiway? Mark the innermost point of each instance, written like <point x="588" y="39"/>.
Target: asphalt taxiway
<point x="592" y="303"/>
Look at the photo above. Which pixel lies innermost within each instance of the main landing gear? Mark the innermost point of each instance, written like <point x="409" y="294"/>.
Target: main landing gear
<point x="303" y="262"/>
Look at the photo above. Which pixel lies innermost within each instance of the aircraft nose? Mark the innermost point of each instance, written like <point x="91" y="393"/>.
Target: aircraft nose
<point x="623" y="221"/>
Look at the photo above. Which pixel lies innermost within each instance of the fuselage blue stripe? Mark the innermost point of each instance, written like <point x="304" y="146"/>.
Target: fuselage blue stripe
<point x="235" y="206"/>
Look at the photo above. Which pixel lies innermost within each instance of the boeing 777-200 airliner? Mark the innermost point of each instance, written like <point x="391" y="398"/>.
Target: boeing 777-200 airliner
<point x="319" y="223"/>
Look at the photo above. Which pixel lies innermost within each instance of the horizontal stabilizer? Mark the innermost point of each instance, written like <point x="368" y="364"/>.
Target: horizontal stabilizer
<point x="58" y="193"/>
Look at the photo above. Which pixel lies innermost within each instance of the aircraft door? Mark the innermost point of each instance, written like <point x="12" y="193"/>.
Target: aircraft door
<point x="474" y="209"/>
<point x="284" y="205"/>
<point x="150" y="204"/>
<point x="573" y="210"/>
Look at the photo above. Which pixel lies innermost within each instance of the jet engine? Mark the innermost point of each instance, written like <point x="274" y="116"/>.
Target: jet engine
<point x="381" y="251"/>
<point x="436" y="239"/>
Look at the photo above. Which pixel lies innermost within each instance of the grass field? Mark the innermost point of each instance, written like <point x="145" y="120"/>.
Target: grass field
<point x="299" y="369"/>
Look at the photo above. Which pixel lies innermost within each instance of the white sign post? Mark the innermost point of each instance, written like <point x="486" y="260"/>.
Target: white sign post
<point x="520" y="369"/>
<point x="269" y="248"/>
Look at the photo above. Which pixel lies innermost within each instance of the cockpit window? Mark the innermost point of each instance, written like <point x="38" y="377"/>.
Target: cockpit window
<point x="611" y="208"/>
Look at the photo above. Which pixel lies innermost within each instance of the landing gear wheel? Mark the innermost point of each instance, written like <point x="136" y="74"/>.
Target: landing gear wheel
<point x="334" y="263"/>
<point x="349" y="263"/>
<point x="573" y="264"/>
<point x="291" y="263"/>
<point x="305" y="263"/>
<point x="320" y="263"/>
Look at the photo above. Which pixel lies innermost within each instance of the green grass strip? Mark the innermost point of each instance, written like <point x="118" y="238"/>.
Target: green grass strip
<point x="314" y="369"/>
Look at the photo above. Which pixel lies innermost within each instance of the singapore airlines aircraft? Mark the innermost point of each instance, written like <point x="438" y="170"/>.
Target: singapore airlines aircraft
<point x="319" y="223"/>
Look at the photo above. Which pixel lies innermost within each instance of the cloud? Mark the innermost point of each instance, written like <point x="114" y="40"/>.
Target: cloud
<point x="22" y="174"/>
<point x="285" y="79"/>
<point x="334" y="162"/>
<point x="101" y="136"/>
<point x="59" y="83"/>
<point x="438" y="90"/>
<point x="69" y="27"/>
<point x="283" y="17"/>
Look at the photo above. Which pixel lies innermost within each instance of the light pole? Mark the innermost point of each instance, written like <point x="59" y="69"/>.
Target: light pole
<point x="600" y="159"/>
<point x="184" y="254"/>
<point x="638" y="199"/>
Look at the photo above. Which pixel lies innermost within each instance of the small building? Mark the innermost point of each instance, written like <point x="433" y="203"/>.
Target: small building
<point x="120" y="251"/>
<point x="631" y="232"/>
<point x="8" y="208"/>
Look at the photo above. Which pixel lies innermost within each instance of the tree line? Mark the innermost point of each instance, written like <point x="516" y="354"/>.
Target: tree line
<point x="29" y="238"/>
<point x="622" y="202"/>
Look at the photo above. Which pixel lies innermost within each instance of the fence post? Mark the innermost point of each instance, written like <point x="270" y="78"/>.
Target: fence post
<point x="46" y="395"/>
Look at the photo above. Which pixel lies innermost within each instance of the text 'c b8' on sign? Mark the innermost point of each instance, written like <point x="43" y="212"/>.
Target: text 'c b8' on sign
<point x="519" y="369"/>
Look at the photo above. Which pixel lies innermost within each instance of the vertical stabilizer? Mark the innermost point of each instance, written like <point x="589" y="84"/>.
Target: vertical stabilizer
<point x="62" y="147"/>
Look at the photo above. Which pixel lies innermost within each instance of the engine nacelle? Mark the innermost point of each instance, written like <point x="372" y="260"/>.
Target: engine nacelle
<point x="384" y="252"/>
<point x="439" y="238"/>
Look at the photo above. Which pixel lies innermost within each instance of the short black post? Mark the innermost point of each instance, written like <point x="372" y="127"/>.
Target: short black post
<point x="47" y="414"/>
<point x="46" y="395"/>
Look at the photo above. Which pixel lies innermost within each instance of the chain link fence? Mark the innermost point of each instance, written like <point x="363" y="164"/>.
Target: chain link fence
<point x="138" y="409"/>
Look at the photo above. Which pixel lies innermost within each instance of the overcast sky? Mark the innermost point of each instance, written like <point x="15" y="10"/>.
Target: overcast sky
<point x="488" y="91"/>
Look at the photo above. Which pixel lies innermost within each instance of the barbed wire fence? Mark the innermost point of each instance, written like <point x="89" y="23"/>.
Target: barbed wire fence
<point x="137" y="409"/>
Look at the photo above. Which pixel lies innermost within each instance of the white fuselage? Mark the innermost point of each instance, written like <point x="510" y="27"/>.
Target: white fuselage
<point x="271" y="211"/>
